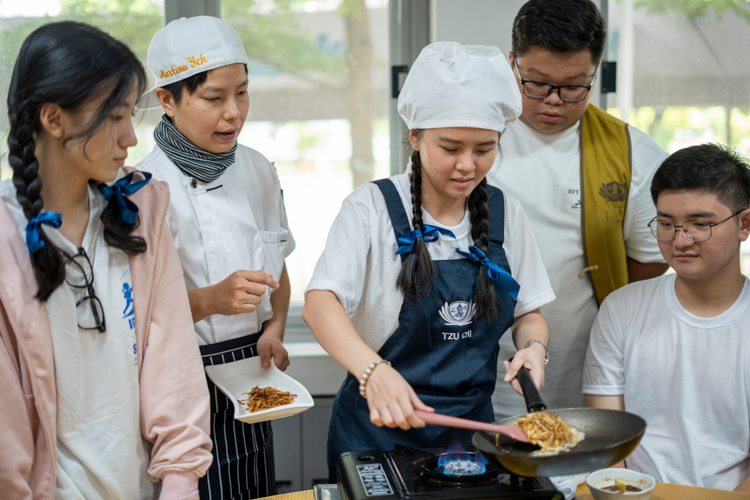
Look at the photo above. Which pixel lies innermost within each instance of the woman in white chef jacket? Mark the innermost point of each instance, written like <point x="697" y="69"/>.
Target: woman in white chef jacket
<point x="421" y="272"/>
<point x="230" y="228"/>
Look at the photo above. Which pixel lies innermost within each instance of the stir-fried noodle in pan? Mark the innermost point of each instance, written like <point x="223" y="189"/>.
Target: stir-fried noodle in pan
<point x="550" y="432"/>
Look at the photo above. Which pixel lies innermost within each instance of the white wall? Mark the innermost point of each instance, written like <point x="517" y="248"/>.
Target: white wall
<point x="474" y="22"/>
<point x="480" y="22"/>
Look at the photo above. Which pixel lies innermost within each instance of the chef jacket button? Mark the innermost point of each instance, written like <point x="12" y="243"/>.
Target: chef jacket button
<point x="193" y="183"/>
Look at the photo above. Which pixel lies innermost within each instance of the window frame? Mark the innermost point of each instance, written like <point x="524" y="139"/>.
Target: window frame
<point x="409" y="33"/>
<point x="177" y="9"/>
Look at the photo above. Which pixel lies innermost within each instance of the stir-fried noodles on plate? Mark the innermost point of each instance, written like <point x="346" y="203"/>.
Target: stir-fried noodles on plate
<point x="265" y="398"/>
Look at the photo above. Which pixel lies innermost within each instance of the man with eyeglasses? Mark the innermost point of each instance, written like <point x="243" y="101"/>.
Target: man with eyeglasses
<point x="582" y="177"/>
<point x="676" y="349"/>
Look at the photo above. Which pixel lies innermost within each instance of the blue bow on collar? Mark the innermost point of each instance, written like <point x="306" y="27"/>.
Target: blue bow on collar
<point x="429" y="234"/>
<point x="33" y="241"/>
<point x="122" y="188"/>
<point x="495" y="272"/>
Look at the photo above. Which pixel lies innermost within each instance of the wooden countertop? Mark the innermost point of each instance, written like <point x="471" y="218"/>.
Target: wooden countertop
<point x="297" y="495"/>
<point x="665" y="491"/>
<point x="661" y="492"/>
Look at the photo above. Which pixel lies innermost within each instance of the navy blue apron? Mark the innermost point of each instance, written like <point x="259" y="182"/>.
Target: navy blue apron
<point x="243" y="465"/>
<point x="446" y="354"/>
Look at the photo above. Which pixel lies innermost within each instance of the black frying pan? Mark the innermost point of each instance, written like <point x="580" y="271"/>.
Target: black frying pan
<point x="611" y="436"/>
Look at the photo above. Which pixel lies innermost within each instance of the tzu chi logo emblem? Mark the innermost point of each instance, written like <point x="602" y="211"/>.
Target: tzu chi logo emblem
<point x="459" y="313"/>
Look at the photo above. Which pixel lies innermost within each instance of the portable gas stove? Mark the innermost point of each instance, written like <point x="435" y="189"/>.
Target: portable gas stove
<point x="413" y="473"/>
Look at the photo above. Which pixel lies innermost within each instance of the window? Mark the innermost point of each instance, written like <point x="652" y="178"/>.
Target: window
<point x="132" y="21"/>
<point x="318" y="107"/>
<point x="683" y="73"/>
<point x="319" y="104"/>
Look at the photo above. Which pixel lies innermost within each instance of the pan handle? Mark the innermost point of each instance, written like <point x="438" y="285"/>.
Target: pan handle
<point x="530" y="392"/>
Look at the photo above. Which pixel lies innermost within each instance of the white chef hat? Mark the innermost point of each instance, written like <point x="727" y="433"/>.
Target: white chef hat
<point x="454" y="85"/>
<point x="188" y="46"/>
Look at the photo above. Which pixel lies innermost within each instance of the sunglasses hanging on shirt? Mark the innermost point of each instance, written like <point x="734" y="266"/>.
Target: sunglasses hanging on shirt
<point x="79" y="273"/>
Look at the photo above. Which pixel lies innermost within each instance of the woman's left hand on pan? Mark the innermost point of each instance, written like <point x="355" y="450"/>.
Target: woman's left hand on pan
<point x="271" y="347"/>
<point x="532" y="358"/>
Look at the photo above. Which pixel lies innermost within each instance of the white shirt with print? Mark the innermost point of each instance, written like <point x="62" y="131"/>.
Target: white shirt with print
<point x="544" y="172"/>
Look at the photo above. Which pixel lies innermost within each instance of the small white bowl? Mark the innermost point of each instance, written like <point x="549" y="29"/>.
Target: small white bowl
<point x="241" y="376"/>
<point x="606" y="477"/>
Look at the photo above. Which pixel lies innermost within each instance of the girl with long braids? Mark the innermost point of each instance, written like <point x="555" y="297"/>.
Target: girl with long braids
<point x="102" y="393"/>
<point x="423" y="272"/>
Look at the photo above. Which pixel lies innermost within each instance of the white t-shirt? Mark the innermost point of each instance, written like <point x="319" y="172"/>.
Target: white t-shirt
<point x="101" y="453"/>
<point x="237" y="222"/>
<point x="544" y="172"/>
<point x="360" y="265"/>
<point x="688" y="377"/>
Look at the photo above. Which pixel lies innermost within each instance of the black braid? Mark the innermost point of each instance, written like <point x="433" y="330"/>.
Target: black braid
<point x="47" y="263"/>
<point x="66" y="64"/>
<point x="118" y="233"/>
<point x="484" y="293"/>
<point x="417" y="269"/>
<point x="415" y="188"/>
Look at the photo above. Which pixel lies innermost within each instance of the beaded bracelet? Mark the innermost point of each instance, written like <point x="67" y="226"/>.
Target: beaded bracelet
<point x="546" y="354"/>
<point x="366" y="375"/>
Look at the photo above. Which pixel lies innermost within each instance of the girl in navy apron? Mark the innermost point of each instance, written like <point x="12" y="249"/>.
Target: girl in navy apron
<point x="423" y="272"/>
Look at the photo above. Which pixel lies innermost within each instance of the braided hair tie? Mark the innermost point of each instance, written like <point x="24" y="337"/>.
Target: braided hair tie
<point x="34" y="240"/>
<point x="428" y="234"/>
<point x="494" y="272"/>
<point x="122" y="188"/>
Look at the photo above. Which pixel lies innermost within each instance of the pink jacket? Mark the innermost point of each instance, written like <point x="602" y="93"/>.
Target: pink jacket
<point x="174" y="398"/>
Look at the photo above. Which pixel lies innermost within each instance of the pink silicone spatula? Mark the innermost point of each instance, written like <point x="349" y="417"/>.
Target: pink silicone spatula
<point x="511" y="431"/>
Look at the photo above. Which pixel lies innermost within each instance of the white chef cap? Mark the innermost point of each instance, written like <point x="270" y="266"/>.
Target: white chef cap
<point x="454" y="85"/>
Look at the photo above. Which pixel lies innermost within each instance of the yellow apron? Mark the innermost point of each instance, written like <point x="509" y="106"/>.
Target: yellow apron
<point x="605" y="182"/>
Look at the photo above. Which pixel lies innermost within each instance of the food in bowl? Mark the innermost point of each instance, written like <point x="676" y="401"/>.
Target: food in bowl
<point x="621" y="486"/>
<point x="265" y="398"/>
<point x="550" y="432"/>
<point x="601" y="481"/>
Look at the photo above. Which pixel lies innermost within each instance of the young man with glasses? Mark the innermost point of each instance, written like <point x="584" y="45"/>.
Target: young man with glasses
<point x="674" y="349"/>
<point x="582" y="177"/>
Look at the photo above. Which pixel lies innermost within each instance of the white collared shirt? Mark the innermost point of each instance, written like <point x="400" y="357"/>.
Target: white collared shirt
<point x="237" y="222"/>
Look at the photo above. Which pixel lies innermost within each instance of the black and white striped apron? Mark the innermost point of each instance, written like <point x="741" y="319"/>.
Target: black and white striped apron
<point x="243" y="466"/>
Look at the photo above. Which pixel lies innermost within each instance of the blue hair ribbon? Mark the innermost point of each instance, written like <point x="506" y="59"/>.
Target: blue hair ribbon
<point x="34" y="241"/>
<point x="495" y="272"/>
<point x="429" y="234"/>
<point x="121" y="189"/>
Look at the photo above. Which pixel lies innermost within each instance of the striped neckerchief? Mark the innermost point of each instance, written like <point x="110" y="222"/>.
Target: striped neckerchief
<point x="190" y="159"/>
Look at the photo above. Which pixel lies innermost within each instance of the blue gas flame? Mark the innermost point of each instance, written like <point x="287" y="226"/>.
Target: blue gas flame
<point x="461" y="459"/>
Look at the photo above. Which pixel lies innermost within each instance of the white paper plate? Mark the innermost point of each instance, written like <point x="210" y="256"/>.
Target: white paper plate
<point x="241" y="376"/>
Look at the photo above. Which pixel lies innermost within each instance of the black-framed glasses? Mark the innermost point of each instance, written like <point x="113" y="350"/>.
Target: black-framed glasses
<point x="694" y="230"/>
<point x="79" y="273"/>
<point x="539" y="90"/>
